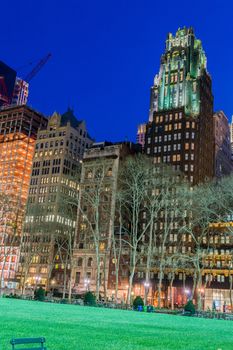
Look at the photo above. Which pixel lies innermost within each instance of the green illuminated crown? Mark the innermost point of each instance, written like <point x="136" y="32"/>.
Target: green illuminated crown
<point x="178" y="82"/>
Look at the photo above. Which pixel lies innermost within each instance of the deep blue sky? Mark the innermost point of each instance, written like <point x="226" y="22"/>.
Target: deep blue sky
<point x="105" y="54"/>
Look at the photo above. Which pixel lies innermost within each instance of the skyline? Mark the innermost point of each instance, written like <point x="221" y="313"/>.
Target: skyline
<point x="103" y="63"/>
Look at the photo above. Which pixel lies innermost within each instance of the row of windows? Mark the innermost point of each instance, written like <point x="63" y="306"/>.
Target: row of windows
<point x="181" y="276"/>
<point x="217" y="239"/>
<point x="165" y="138"/>
<point x="166" y="118"/>
<point x="74" y="155"/>
<point x="59" y="134"/>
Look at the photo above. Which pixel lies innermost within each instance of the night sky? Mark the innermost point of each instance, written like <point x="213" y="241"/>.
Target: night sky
<point x="105" y="54"/>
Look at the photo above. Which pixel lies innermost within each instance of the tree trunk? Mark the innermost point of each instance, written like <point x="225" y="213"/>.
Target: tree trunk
<point x="97" y="276"/>
<point x="117" y="282"/>
<point x="131" y="276"/>
<point x="184" y="288"/>
<point x="160" y="287"/>
<point x="198" y="289"/>
<point x="105" y="278"/>
<point x="64" y="284"/>
<point x="194" y="285"/>
<point x="70" y="287"/>
<point x="171" y="291"/>
<point x="230" y="291"/>
<point x="148" y="262"/>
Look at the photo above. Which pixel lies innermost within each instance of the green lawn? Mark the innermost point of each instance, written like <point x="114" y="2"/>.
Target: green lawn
<point x="69" y="327"/>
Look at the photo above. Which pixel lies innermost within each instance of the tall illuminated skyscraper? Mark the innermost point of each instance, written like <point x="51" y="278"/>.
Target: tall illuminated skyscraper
<point x="18" y="131"/>
<point x="180" y="128"/>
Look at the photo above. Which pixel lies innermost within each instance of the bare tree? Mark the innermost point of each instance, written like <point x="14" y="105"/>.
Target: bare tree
<point x="96" y="214"/>
<point x="135" y="181"/>
<point x="204" y="210"/>
<point x="9" y="238"/>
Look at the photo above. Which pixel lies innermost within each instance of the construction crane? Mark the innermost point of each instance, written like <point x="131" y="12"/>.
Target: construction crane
<point x="19" y="95"/>
<point x="37" y="68"/>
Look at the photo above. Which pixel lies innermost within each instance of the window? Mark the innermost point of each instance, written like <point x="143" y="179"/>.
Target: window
<point x="77" y="277"/>
<point x="80" y="262"/>
<point x="109" y="172"/>
<point x="89" y="262"/>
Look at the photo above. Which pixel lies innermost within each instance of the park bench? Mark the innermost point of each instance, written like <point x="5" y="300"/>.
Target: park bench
<point x="28" y="341"/>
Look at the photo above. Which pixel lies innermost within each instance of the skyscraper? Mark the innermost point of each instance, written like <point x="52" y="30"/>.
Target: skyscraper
<point x="51" y="211"/>
<point x="18" y="131"/>
<point x="223" y="162"/>
<point x="231" y="135"/>
<point x="180" y="128"/>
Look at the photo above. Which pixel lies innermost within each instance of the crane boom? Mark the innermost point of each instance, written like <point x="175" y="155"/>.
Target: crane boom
<point x="37" y="68"/>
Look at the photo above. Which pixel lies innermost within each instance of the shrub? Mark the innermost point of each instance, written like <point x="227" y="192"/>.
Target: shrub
<point x="39" y="294"/>
<point x="189" y="307"/>
<point x="138" y="301"/>
<point x="89" y="299"/>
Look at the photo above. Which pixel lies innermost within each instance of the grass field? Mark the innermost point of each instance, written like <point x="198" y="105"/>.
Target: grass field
<point x="69" y="327"/>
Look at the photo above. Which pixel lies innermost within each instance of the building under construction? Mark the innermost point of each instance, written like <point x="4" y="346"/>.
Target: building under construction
<point x="18" y="131"/>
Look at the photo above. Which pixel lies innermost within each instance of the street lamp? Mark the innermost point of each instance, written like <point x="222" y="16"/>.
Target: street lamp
<point x="146" y="287"/>
<point x="53" y="282"/>
<point x="87" y="283"/>
<point x="37" y="280"/>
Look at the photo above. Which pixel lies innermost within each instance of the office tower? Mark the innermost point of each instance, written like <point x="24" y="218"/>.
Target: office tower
<point x="18" y="131"/>
<point x="51" y="212"/>
<point x="180" y="131"/>
<point x="223" y="163"/>
<point x="231" y="135"/>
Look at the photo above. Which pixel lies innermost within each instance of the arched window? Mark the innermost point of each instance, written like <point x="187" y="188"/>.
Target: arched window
<point x="80" y="261"/>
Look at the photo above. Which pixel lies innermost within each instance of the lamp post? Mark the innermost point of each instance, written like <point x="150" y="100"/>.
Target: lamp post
<point x="37" y="280"/>
<point x="53" y="282"/>
<point x="87" y="283"/>
<point x="187" y="293"/>
<point x="146" y="288"/>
